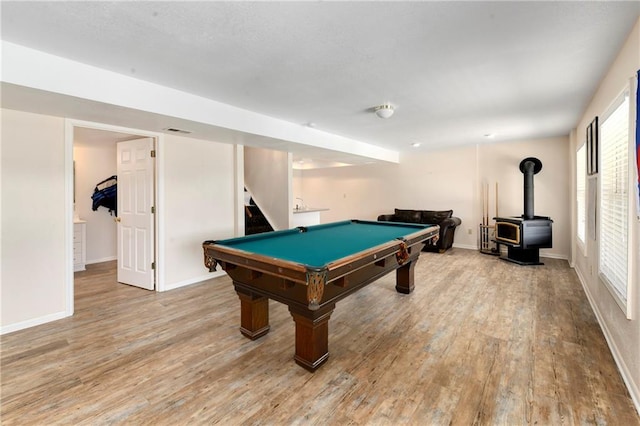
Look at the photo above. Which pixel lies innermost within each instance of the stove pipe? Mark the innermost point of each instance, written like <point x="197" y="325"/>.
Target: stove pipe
<point x="529" y="167"/>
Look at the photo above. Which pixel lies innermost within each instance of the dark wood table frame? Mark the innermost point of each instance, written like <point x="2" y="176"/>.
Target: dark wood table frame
<point x="311" y="293"/>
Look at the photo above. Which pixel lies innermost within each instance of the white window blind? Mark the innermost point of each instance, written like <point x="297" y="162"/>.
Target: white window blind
<point x="614" y="185"/>
<point x="581" y="171"/>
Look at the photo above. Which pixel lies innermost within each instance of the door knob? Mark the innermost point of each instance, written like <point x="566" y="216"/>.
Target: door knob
<point x="116" y="219"/>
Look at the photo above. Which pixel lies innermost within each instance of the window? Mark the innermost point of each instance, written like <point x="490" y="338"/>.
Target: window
<point x="581" y="171"/>
<point x="614" y="200"/>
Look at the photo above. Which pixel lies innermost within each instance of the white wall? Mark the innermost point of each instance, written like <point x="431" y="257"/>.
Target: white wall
<point x="443" y="180"/>
<point x="33" y="220"/>
<point x="499" y="162"/>
<point x="199" y="198"/>
<point x="623" y="335"/>
<point x="356" y="192"/>
<point x="449" y="179"/>
<point x="268" y="177"/>
<point x="198" y="193"/>
<point x="94" y="162"/>
<point x="296" y="186"/>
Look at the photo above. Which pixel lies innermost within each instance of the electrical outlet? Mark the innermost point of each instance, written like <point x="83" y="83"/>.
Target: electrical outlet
<point x="470" y="231"/>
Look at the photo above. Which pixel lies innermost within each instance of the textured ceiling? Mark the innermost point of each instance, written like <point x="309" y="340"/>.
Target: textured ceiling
<point x="454" y="70"/>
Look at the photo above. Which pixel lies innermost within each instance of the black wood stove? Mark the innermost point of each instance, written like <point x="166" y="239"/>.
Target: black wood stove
<point x="525" y="235"/>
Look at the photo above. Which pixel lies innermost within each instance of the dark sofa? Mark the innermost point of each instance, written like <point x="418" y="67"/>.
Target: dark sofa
<point x="443" y="218"/>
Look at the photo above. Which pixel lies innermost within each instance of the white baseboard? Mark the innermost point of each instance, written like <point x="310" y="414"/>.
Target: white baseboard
<point x="465" y="246"/>
<point x="195" y="280"/>
<point x="543" y="254"/>
<point x="32" y="322"/>
<point x="555" y="256"/>
<point x="633" y="388"/>
<point x="104" y="259"/>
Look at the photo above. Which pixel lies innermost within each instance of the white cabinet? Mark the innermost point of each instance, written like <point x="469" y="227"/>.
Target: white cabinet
<point x="79" y="245"/>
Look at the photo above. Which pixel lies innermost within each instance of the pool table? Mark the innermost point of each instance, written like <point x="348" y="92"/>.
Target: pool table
<point x="310" y="268"/>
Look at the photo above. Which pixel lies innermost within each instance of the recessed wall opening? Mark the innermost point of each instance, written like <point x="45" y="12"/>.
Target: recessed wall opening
<point x="108" y="229"/>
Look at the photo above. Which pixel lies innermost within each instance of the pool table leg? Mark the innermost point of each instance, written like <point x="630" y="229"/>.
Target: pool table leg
<point x="404" y="277"/>
<point x="254" y="314"/>
<point x="312" y="336"/>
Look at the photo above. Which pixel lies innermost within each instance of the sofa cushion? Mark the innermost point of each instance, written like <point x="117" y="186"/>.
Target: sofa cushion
<point x="435" y="216"/>
<point x="408" y="216"/>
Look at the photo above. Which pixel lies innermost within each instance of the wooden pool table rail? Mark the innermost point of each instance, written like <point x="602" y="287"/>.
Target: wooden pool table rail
<point x="230" y="257"/>
<point x="306" y="290"/>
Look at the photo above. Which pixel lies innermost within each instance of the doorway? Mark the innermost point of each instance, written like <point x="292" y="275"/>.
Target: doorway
<point x="93" y="149"/>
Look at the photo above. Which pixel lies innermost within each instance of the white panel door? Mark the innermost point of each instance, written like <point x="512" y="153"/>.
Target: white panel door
<point x="135" y="222"/>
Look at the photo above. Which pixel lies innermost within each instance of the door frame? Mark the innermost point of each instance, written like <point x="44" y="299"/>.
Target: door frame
<point x="70" y="125"/>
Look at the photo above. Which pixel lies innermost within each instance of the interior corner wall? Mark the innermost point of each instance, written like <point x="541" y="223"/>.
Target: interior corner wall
<point x="94" y="162"/>
<point x="623" y="335"/>
<point x="199" y="198"/>
<point x="268" y="177"/>
<point x="449" y="179"/>
<point x="296" y="186"/>
<point x="499" y="162"/>
<point x="354" y="192"/>
<point x="238" y="164"/>
<point x="199" y="204"/>
<point x="33" y="220"/>
<point x="444" y="180"/>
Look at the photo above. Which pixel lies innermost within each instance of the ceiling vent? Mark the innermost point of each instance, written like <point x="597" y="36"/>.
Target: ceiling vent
<point x="174" y="130"/>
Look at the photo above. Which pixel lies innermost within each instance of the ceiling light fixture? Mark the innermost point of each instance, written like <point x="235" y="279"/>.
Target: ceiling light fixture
<point x="415" y="144"/>
<point x="384" y="110"/>
<point x="489" y="135"/>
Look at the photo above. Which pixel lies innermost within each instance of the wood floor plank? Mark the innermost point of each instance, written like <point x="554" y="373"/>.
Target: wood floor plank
<point x="480" y="341"/>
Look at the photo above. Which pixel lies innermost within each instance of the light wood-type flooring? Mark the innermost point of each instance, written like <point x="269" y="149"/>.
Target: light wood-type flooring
<point x="479" y="341"/>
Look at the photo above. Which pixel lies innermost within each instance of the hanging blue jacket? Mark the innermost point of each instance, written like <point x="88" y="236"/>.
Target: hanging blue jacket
<point x="107" y="196"/>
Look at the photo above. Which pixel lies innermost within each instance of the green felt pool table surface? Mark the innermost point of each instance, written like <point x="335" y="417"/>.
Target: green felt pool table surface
<point x="320" y="245"/>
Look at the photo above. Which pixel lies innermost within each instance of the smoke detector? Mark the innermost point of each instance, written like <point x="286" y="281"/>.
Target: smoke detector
<point x="384" y="110"/>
